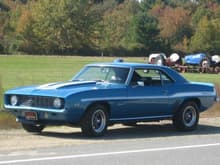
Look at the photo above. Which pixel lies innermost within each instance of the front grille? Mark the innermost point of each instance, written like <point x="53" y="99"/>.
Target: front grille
<point x="36" y="101"/>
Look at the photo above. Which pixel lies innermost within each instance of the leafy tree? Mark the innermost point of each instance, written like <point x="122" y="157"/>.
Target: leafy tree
<point x="207" y="36"/>
<point x="97" y="1"/>
<point x="115" y="27"/>
<point x="4" y="7"/>
<point x="60" y="26"/>
<point x="3" y="23"/>
<point x="199" y="14"/>
<point x="174" y="25"/>
<point x="147" y="32"/>
<point x="148" y="4"/>
<point x="102" y="1"/>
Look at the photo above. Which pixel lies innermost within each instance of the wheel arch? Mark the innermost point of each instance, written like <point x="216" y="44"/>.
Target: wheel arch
<point x="104" y="103"/>
<point x="193" y="99"/>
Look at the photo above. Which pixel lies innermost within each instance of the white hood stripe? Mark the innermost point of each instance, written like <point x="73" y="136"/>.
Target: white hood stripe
<point x="55" y="85"/>
<point x="60" y="85"/>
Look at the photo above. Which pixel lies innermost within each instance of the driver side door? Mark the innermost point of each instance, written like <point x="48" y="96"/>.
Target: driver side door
<point x="147" y="95"/>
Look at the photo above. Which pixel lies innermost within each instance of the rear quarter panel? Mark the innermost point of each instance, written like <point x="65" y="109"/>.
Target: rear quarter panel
<point x="203" y="94"/>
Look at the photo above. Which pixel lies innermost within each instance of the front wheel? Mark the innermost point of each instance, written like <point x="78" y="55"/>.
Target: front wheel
<point x="33" y="128"/>
<point x="186" y="119"/>
<point x="95" y="121"/>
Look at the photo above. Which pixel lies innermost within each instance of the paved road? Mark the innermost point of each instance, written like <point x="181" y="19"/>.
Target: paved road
<point x="147" y="144"/>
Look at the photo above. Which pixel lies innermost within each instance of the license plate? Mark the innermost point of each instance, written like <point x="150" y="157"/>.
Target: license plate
<point x="30" y="115"/>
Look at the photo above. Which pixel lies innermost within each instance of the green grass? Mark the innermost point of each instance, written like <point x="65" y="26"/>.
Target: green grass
<point x="25" y="70"/>
<point x="202" y="77"/>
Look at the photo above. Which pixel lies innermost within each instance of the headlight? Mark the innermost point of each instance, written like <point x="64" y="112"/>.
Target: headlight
<point x="13" y="100"/>
<point x="57" y="103"/>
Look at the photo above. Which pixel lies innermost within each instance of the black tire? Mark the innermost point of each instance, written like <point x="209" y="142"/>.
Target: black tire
<point x="205" y="63"/>
<point x="95" y="121"/>
<point x="33" y="128"/>
<point x="186" y="119"/>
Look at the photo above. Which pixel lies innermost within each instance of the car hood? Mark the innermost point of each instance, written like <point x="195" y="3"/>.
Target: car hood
<point x="62" y="89"/>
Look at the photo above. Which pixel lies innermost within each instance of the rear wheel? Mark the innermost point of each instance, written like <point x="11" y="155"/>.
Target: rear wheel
<point x="33" y="128"/>
<point x="205" y="63"/>
<point x="95" y="121"/>
<point x="186" y="119"/>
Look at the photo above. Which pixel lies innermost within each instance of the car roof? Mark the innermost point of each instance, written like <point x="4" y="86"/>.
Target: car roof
<point x="174" y="74"/>
<point x="124" y="64"/>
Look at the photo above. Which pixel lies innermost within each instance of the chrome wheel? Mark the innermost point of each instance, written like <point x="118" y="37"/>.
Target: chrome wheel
<point x="95" y="121"/>
<point x="98" y="121"/>
<point x="189" y="116"/>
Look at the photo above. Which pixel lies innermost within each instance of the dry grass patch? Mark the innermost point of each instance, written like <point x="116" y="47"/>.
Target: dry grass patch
<point x="7" y="121"/>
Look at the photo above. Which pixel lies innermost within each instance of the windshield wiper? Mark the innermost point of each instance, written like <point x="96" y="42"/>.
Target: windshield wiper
<point x="99" y="80"/>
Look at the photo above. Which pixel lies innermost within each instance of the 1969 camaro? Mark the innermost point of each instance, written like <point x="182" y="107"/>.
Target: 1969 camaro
<point x="103" y="94"/>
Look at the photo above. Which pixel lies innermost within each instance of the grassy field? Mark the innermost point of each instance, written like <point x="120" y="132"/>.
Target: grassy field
<point x="25" y="70"/>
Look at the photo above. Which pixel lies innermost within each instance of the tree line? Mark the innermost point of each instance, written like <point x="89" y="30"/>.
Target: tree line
<point x="109" y="27"/>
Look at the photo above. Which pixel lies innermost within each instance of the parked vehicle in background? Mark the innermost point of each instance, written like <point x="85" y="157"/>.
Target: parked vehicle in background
<point x="199" y="59"/>
<point x="203" y="63"/>
<point x="174" y="60"/>
<point x="103" y="94"/>
<point x="157" y="58"/>
<point x="215" y="59"/>
<point x="161" y="59"/>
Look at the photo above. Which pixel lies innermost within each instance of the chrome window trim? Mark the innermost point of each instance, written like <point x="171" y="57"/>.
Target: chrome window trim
<point x="140" y="118"/>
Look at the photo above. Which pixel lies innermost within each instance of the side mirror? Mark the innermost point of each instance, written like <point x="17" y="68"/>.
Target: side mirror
<point x="140" y="83"/>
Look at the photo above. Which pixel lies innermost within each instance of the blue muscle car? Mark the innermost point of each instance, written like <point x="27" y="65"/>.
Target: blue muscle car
<point x="107" y="93"/>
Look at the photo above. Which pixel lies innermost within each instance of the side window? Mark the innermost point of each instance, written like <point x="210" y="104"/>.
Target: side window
<point x="166" y="79"/>
<point x="149" y="77"/>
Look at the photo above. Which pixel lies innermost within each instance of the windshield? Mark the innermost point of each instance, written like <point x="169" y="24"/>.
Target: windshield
<point x="103" y="73"/>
